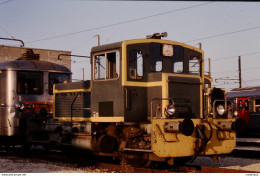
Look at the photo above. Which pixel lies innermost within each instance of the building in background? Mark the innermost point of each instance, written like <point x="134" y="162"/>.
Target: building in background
<point x="9" y="53"/>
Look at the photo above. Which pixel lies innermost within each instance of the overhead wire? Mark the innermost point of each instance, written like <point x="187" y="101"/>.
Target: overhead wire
<point x="1" y="3"/>
<point x="101" y="27"/>
<point x="225" y="84"/>
<point x="223" y="34"/>
<point x="86" y="41"/>
<point x="252" y="80"/>
<point x="243" y="70"/>
<point x="119" y="23"/>
<point x="6" y="32"/>
<point x="244" y="82"/>
<point x="246" y="69"/>
<point x="224" y="72"/>
<point x="231" y="57"/>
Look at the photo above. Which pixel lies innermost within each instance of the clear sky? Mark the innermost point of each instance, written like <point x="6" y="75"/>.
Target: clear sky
<point x="225" y="29"/>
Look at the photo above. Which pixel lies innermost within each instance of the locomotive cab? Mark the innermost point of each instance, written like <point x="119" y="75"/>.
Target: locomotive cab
<point x="128" y="77"/>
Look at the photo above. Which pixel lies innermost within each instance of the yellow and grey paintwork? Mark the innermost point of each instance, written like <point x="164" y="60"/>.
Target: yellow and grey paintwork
<point x="169" y="144"/>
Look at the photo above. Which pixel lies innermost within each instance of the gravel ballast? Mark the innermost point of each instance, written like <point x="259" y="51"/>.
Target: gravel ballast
<point x="26" y="165"/>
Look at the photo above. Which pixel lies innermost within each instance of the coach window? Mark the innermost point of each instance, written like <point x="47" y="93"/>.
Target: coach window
<point x="55" y="78"/>
<point x="257" y="105"/>
<point x="136" y="64"/>
<point x="247" y="105"/>
<point x="240" y="105"/>
<point x="29" y="82"/>
<point x="106" y="66"/>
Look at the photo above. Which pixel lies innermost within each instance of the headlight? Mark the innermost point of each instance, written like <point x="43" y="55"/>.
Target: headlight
<point x="169" y="110"/>
<point x="220" y="109"/>
<point x="21" y="106"/>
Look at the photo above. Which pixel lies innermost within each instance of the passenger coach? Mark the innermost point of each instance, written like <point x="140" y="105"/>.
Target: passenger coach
<point x="246" y="101"/>
<point x="26" y="86"/>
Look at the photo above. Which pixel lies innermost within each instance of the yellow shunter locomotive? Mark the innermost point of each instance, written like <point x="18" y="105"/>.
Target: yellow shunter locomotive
<point x="147" y="100"/>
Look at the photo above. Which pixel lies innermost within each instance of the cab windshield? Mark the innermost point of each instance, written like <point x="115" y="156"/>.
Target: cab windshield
<point x="55" y="78"/>
<point x="144" y="58"/>
<point x="174" y="58"/>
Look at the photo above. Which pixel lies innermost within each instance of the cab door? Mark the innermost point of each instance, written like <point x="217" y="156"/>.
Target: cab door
<point x="106" y="92"/>
<point x="135" y="86"/>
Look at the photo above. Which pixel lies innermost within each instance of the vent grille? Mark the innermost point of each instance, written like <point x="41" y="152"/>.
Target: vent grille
<point x="186" y="95"/>
<point x="63" y="102"/>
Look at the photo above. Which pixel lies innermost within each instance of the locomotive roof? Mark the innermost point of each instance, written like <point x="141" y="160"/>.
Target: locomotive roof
<point x="244" y="92"/>
<point x="119" y="44"/>
<point x="106" y="47"/>
<point x="32" y="65"/>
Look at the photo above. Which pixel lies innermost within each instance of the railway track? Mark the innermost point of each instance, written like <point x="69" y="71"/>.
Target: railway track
<point x="251" y="142"/>
<point x="82" y="161"/>
<point x="247" y="148"/>
<point x="176" y="169"/>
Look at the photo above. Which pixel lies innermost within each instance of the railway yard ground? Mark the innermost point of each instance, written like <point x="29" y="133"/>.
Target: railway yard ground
<point x="245" y="158"/>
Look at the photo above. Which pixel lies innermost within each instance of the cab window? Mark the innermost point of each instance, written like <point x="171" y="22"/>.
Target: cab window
<point x="177" y="59"/>
<point x="177" y="66"/>
<point x="194" y="65"/>
<point x="155" y="57"/>
<point x="29" y="82"/>
<point x="135" y="63"/>
<point x="106" y="66"/>
<point x="112" y="66"/>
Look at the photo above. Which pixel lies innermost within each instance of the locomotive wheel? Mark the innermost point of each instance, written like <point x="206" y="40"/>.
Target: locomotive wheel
<point x="139" y="160"/>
